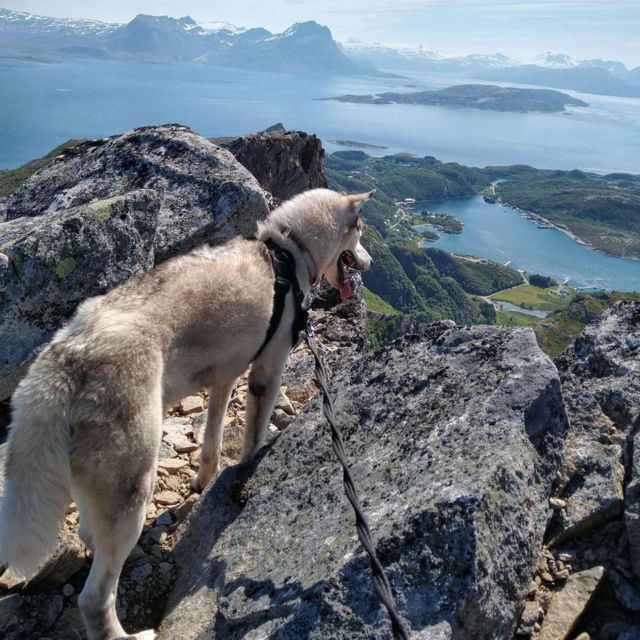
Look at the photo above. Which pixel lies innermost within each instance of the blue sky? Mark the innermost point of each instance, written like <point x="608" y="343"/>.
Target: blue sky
<point x="607" y="29"/>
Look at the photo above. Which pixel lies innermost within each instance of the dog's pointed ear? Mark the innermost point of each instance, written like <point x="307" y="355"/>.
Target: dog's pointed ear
<point x="356" y="200"/>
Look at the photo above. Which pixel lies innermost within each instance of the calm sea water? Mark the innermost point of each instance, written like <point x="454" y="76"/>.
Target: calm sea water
<point x="498" y="232"/>
<point x="42" y="105"/>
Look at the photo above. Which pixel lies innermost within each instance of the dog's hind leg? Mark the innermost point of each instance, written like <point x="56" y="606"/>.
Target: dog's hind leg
<point x="114" y="526"/>
<point x="219" y="395"/>
<point x="113" y="475"/>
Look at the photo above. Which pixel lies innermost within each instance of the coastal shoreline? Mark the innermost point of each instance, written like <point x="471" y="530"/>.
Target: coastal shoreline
<point x="543" y="223"/>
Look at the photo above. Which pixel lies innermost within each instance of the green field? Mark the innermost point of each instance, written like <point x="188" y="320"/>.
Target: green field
<point x="514" y="319"/>
<point x="530" y="297"/>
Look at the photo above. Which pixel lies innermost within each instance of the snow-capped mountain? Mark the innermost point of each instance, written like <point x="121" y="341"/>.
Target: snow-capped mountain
<point x="556" y="70"/>
<point x="550" y="60"/>
<point x="19" y="29"/>
<point x="305" y="46"/>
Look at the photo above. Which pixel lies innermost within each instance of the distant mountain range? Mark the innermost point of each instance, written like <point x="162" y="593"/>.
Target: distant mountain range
<point x="304" y="47"/>
<point x="605" y="77"/>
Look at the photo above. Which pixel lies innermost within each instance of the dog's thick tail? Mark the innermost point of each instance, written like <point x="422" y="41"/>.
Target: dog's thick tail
<point x="38" y="476"/>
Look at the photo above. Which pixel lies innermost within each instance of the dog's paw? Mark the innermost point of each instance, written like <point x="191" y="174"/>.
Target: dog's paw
<point x="195" y="485"/>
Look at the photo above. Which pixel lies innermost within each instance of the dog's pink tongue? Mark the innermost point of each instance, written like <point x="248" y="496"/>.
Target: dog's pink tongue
<point x="345" y="291"/>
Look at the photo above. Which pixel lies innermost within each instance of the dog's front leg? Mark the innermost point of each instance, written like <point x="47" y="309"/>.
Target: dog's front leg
<point x="264" y="384"/>
<point x="219" y="395"/>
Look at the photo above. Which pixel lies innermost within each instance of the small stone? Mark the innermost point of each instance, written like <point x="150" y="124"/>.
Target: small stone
<point x="8" y="606"/>
<point x="284" y="403"/>
<point x="626" y="593"/>
<point x="177" y="424"/>
<point x="192" y="404"/>
<point x="157" y="534"/>
<point x="272" y="428"/>
<point x="156" y="551"/>
<point x="557" y="503"/>
<point x="547" y="577"/>
<point x="569" y="604"/>
<point x="566" y="557"/>
<point x="281" y="419"/>
<point x="167" y="497"/>
<point x="167" y="451"/>
<point x="182" y="511"/>
<point x="141" y="573"/>
<point x="584" y="636"/>
<point x="172" y="465"/>
<point x="182" y="444"/>
<point x="164" y="518"/>
<point x="562" y="575"/>
<point x="530" y="615"/>
<point x="137" y="553"/>
<point x="51" y="611"/>
<point x="67" y="590"/>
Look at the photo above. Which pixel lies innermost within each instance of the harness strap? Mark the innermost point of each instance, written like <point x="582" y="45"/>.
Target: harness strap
<point x="284" y="267"/>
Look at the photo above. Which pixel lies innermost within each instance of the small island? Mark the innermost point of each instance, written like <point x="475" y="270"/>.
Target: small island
<point x="356" y="144"/>
<point x="476" y="96"/>
<point x="444" y="222"/>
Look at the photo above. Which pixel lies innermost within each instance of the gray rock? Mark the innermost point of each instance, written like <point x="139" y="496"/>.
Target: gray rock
<point x="9" y="604"/>
<point x="569" y="603"/>
<point x="51" y="612"/>
<point x="142" y="572"/>
<point x="604" y="361"/>
<point x="626" y="593"/>
<point x="57" y="260"/>
<point x="285" y="163"/>
<point x="66" y="561"/>
<point x="595" y="475"/>
<point x="453" y="438"/>
<point x="66" y="239"/>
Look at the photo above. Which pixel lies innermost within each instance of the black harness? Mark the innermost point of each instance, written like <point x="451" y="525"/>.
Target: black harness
<point x="284" y="267"/>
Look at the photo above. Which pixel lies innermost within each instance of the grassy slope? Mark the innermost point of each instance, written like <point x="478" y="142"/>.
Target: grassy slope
<point x="558" y="330"/>
<point x="10" y="180"/>
<point x="531" y="297"/>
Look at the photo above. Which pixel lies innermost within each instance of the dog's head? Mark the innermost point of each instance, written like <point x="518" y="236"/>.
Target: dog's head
<point x="326" y="225"/>
<point x="349" y="254"/>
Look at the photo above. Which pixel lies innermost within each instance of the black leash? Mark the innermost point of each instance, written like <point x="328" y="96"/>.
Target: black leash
<point x="380" y="580"/>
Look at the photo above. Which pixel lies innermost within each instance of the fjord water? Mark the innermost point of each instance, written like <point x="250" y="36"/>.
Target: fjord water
<point x="42" y="105"/>
<point x="500" y="233"/>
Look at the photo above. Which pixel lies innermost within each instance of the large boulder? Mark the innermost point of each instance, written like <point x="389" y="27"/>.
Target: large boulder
<point x="284" y="162"/>
<point x="453" y="437"/>
<point x="205" y="194"/>
<point x="49" y="264"/>
<point x="601" y="378"/>
<point x="102" y="212"/>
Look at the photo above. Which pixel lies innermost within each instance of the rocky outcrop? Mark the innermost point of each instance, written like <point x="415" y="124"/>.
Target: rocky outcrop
<point x="102" y="212"/>
<point x="601" y="377"/>
<point x="50" y="263"/>
<point x="453" y="437"/>
<point x="205" y="195"/>
<point x="595" y="528"/>
<point x="284" y="162"/>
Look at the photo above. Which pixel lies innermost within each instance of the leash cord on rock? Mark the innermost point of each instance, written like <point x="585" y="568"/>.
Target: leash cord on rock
<point x="379" y="578"/>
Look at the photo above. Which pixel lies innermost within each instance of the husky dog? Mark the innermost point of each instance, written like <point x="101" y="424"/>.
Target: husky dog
<point x="87" y="418"/>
